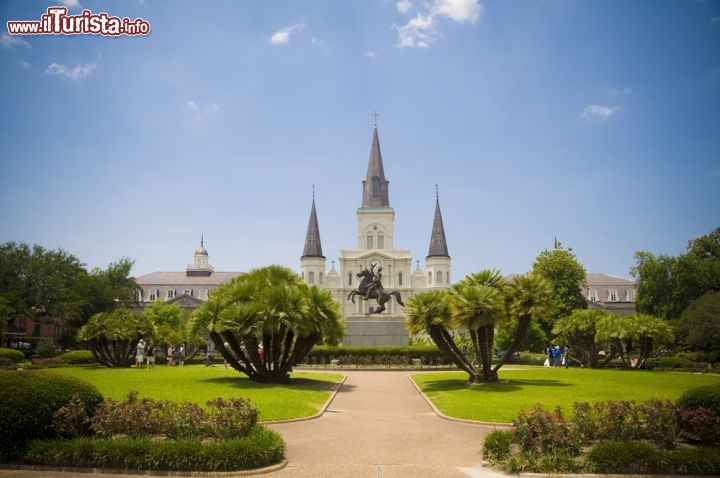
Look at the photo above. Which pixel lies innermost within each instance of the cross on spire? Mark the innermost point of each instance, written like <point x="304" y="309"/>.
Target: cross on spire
<point x="313" y="186"/>
<point x="437" y="193"/>
<point x="375" y="115"/>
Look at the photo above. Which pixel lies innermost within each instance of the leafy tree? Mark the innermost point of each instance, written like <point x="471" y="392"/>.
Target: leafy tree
<point x="567" y="278"/>
<point x="265" y="322"/>
<point x="535" y="340"/>
<point x="39" y="284"/>
<point x="666" y="285"/>
<point x="638" y="335"/>
<point x="112" y="336"/>
<point x="578" y="330"/>
<point x="171" y="327"/>
<point x="699" y="324"/>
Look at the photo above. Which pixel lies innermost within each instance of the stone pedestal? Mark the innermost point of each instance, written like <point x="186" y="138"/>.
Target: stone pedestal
<point x="376" y="331"/>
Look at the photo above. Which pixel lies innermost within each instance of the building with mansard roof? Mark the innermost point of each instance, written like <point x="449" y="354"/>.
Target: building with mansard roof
<point x="188" y="288"/>
<point x="375" y="247"/>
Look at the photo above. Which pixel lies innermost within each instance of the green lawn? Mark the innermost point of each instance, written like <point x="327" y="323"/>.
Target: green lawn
<point x="523" y="388"/>
<point x="302" y="397"/>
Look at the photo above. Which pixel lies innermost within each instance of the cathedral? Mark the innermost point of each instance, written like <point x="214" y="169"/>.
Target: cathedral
<point x="375" y="250"/>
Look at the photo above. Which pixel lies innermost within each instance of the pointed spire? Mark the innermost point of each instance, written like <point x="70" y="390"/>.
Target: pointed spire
<point x="313" y="247"/>
<point x="438" y="243"/>
<point x="375" y="186"/>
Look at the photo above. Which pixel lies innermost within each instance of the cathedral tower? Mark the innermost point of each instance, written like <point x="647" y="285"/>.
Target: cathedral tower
<point x="438" y="260"/>
<point x="312" y="262"/>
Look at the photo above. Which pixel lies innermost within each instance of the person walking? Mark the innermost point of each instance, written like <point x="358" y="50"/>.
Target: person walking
<point x="150" y="355"/>
<point x="181" y="355"/>
<point x="170" y="352"/>
<point x="566" y="356"/>
<point x="140" y="353"/>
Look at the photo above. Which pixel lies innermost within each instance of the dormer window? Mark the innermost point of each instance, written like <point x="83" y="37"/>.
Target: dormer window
<point x="188" y="292"/>
<point x="170" y="294"/>
<point x="630" y="295"/>
<point x="593" y="296"/>
<point x="153" y="295"/>
<point x="613" y="296"/>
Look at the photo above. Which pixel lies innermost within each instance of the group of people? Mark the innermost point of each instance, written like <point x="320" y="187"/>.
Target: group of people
<point x="145" y="353"/>
<point x="557" y="357"/>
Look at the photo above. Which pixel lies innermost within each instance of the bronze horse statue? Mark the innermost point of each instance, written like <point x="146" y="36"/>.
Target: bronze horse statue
<point x="378" y="293"/>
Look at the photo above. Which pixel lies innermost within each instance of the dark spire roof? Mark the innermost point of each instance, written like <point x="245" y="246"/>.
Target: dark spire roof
<point x="438" y="244"/>
<point x="313" y="248"/>
<point x="375" y="186"/>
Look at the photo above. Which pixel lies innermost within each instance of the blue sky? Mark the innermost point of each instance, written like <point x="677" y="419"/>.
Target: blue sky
<point x="596" y="122"/>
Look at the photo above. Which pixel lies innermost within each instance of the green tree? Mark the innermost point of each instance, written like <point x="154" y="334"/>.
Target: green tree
<point x="666" y="285"/>
<point x="578" y="331"/>
<point x="40" y="284"/>
<point x="528" y="297"/>
<point x="169" y="323"/>
<point x="535" y="340"/>
<point x="265" y="322"/>
<point x="567" y="278"/>
<point x="112" y="336"/>
<point x="699" y="324"/>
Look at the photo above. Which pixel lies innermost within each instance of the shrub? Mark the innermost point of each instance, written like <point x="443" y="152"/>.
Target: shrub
<point x="147" y="417"/>
<point x="660" y="423"/>
<point x="46" y="348"/>
<point x="77" y="357"/>
<point x="496" y="446"/>
<point x="624" y="457"/>
<point x="544" y="431"/>
<point x="11" y="356"/>
<point x="260" y="447"/>
<point x="699" y="425"/>
<point x="701" y="397"/>
<point x="28" y="402"/>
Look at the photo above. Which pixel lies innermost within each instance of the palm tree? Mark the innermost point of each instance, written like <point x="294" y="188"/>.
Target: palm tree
<point x="265" y="322"/>
<point x="528" y="297"/>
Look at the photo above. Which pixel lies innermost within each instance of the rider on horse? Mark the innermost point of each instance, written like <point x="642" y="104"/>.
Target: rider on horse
<point x="375" y="282"/>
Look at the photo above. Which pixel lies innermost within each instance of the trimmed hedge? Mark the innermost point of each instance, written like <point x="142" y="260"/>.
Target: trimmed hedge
<point x="28" y="402"/>
<point x="701" y="397"/>
<point x="10" y="356"/>
<point x="367" y="356"/>
<point x="261" y="447"/>
<point x="642" y="458"/>
<point x="77" y="357"/>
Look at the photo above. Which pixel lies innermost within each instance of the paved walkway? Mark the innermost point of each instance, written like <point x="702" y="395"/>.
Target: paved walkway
<point x="377" y="426"/>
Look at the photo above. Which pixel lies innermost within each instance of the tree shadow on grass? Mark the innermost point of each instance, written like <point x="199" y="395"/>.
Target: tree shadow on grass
<point x="501" y="386"/>
<point x="243" y="383"/>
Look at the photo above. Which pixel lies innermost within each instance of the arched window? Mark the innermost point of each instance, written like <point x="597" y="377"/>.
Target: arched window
<point x="311" y="277"/>
<point x="439" y="277"/>
<point x="349" y="278"/>
<point x="321" y="277"/>
<point x="400" y="278"/>
<point x="380" y="241"/>
<point x="429" y="278"/>
<point x="369" y="244"/>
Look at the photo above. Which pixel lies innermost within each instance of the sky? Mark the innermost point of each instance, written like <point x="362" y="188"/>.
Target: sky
<point x="593" y="122"/>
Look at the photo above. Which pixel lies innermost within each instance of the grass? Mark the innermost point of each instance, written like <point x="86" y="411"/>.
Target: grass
<point x="523" y="388"/>
<point x="302" y="397"/>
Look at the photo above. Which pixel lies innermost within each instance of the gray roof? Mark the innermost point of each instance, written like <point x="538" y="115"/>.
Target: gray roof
<point x="438" y="243"/>
<point x="181" y="278"/>
<point x="313" y="247"/>
<point x="599" y="280"/>
<point x="375" y="191"/>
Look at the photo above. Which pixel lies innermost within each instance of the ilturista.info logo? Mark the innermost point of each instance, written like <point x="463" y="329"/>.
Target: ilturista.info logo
<point x="57" y="22"/>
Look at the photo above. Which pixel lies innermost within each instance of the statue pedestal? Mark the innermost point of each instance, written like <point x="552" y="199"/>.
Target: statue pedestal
<point x="380" y="330"/>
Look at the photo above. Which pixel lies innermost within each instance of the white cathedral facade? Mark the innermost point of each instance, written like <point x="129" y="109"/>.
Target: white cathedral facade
<point x="375" y="248"/>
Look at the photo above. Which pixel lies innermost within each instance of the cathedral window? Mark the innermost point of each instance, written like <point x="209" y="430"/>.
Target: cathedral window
<point x="429" y="278"/>
<point x="400" y="278"/>
<point x="369" y="244"/>
<point x="311" y="277"/>
<point x="439" y="277"/>
<point x="320" y="278"/>
<point x="349" y="278"/>
<point x="380" y="241"/>
<point x="447" y="276"/>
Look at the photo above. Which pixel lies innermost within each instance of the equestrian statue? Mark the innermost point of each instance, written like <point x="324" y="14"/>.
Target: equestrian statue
<point x="370" y="287"/>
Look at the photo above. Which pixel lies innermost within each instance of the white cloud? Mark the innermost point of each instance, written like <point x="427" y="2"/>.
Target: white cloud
<point x="371" y="54"/>
<point x="283" y="36"/>
<point x="421" y="31"/>
<point x="25" y="65"/>
<point x="623" y="92"/>
<point x="77" y="73"/>
<point x="70" y="3"/>
<point x="12" y="41"/>
<point x="598" y="112"/>
<point x="318" y="43"/>
<point x="200" y="111"/>
<point x="403" y="6"/>
<point x="192" y="105"/>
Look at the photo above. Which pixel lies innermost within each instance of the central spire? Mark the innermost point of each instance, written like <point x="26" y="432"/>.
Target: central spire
<point x="375" y="186"/>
